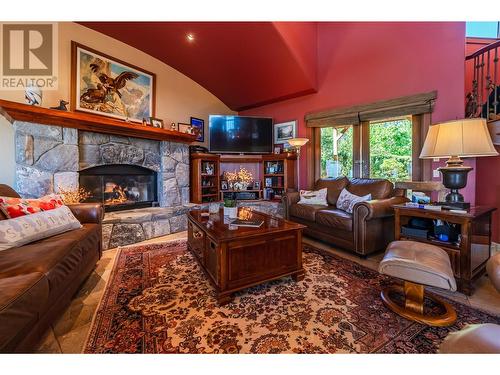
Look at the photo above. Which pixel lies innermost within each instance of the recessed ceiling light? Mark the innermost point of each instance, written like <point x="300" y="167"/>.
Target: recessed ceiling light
<point x="190" y="37"/>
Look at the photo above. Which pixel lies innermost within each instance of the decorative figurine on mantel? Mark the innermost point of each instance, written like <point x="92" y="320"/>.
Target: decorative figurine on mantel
<point x="62" y="106"/>
<point x="173" y="126"/>
<point x="33" y="95"/>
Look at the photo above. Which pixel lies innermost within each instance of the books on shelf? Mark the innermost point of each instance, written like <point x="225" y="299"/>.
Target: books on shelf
<point x="247" y="223"/>
<point x="423" y="206"/>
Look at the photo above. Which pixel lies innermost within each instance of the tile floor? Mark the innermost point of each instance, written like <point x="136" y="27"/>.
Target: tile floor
<point x="69" y="333"/>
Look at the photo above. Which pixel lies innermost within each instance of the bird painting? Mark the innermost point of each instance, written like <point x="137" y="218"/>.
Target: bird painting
<point x="114" y="84"/>
<point x="94" y="96"/>
<point x="107" y="85"/>
<point x="111" y="87"/>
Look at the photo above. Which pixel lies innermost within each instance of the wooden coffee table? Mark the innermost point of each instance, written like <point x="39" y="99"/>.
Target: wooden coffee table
<point x="236" y="259"/>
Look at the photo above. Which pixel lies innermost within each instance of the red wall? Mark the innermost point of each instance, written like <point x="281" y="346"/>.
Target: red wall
<point x="487" y="169"/>
<point x="364" y="62"/>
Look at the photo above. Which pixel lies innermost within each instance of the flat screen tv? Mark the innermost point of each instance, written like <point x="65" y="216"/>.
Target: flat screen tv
<point x="240" y="134"/>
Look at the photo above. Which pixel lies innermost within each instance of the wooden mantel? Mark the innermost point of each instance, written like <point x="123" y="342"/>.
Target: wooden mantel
<point x="13" y="111"/>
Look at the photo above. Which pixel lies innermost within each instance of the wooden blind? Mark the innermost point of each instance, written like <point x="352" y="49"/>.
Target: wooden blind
<point x="403" y="106"/>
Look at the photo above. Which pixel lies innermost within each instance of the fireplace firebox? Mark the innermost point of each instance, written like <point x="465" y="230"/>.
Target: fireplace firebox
<point x="120" y="186"/>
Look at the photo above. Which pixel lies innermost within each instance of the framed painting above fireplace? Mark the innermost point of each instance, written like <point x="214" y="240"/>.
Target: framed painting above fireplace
<point x="104" y="85"/>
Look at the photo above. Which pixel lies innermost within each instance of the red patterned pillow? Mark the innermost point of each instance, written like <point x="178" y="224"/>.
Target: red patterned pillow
<point x="15" y="207"/>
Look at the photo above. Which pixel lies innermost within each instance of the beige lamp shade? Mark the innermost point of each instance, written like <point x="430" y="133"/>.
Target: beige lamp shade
<point x="466" y="138"/>
<point x="297" y="142"/>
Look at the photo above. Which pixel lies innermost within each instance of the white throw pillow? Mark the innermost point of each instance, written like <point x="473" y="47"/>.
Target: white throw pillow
<point x="314" y="197"/>
<point x="347" y="200"/>
<point x="25" y="229"/>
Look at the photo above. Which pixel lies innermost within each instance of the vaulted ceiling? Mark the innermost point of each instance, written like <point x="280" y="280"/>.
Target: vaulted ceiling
<point x="244" y="64"/>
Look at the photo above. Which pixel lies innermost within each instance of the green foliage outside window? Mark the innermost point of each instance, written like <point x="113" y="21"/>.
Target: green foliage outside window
<point x="344" y="155"/>
<point x="390" y="150"/>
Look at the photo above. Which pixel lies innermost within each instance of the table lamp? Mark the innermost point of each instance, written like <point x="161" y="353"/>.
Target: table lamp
<point x="452" y="140"/>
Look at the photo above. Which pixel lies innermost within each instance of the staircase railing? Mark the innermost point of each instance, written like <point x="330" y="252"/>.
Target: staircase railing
<point x="484" y="98"/>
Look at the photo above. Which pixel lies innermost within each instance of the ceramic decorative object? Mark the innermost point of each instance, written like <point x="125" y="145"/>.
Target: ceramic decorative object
<point x="213" y="207"/>
<point x="33" y="95"/>
<point x="231" y="212"/>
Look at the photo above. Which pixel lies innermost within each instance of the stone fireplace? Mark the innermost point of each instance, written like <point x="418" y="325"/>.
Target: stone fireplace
<point x="125" y="171"/>
<point x="120" y="186"/>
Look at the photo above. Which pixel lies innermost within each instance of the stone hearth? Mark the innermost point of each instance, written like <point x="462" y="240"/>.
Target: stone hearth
<point x="132" y="226"/>
<point x="49" y="157"/>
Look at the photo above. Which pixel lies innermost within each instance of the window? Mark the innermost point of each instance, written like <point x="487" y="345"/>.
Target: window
<point x="391" y="149"/>
<point x="372" y="149"/>
<point x="336" y="151"/>
<point x="381" y="139"/>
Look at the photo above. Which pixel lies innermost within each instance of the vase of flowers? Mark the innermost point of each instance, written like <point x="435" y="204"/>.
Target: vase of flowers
<point x="239" y="180"/>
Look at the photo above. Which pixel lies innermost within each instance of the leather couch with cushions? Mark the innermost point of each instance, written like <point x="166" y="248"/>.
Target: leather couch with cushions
<point x="368" y="229"/>
<point x="38" y="280"/>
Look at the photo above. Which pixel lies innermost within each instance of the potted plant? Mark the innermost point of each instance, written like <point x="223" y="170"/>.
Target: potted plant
<point x="230" y="208"/>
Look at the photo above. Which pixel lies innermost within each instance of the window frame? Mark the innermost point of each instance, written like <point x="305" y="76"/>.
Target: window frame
<point x="421" y="169"/>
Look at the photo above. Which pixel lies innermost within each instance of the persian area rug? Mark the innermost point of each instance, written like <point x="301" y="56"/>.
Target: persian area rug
<point x="158" y="300"/>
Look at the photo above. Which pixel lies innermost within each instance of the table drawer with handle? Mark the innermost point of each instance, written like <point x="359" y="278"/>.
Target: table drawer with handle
<point x="196" y="240"/>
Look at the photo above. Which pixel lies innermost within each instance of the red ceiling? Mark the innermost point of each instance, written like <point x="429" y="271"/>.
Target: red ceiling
<point x="244" y="64"/>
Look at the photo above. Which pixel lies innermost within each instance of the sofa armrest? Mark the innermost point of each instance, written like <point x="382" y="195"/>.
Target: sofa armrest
<point x="373" y="224"/>
<point x="378" y="208"/>
<point x="288" y="199"/>
<point x="291" y="197"/>
<point x="91" y="213"/>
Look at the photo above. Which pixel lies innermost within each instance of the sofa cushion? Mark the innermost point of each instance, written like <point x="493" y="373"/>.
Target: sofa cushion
<point x="313" y="197"/>
<point x="58" y="257"/>
<point x="347" y="200"/>
<point x="6" y="191"/>
<point x="28" y="228"/>
<point x="22" y="299"/>
<point x="378" y="188"/>
<point x="335" y="218"/>
<point x="305" y="211"/>
<point x="334" y="186"/>
<point x="13" y="207"/>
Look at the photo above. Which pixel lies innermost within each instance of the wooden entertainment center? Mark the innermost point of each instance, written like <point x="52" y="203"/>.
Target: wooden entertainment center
<point x="276" y="174"/>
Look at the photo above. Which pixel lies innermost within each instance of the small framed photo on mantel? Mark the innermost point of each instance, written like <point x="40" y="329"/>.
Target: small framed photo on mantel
<point x="284" y="131"/>
<point x="156" y="122"/>
<point x="198" y="125"/>
<point x="184" y="128"/>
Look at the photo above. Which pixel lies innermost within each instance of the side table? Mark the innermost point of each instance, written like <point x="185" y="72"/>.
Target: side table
<point x="469" y="255"/>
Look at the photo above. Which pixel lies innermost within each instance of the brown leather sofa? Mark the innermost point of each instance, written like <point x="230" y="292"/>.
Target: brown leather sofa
<point x="368" y="229"/>
<point x="38" y="280"/>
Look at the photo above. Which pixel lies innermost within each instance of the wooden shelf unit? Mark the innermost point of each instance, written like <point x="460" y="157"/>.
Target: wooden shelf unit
<point x="282" y="175"/>
<point x="13" y="111"/>
<point x="287" y="161"/>
<point x="198" y="177"/>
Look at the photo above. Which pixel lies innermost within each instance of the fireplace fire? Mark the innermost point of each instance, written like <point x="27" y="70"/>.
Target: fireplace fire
<point x="120" y="186"/>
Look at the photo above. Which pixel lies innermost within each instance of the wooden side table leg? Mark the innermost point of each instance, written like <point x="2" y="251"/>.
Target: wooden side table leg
<point x="299" y="276"/>
<point x="467" y="288"/>
<point x="224" y="299"/>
